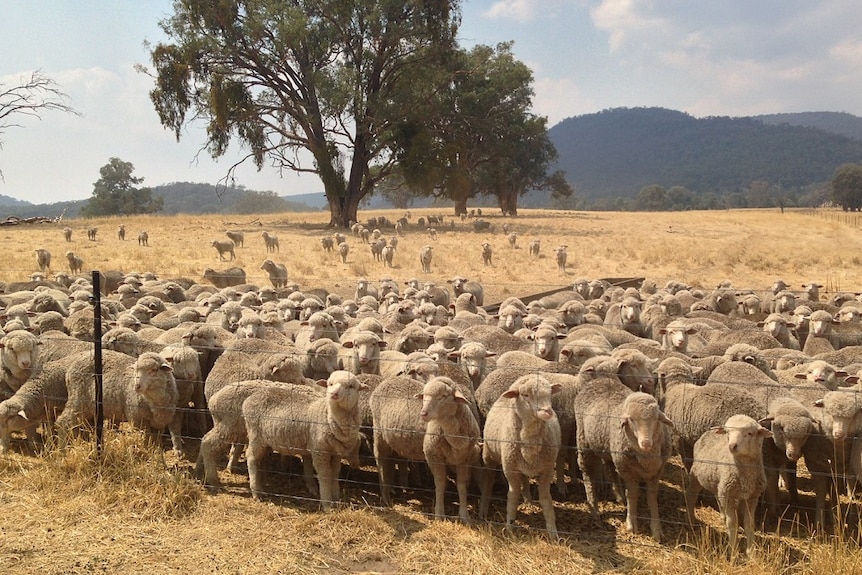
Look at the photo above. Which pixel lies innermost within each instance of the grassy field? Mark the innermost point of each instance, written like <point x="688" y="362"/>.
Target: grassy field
<point x="138" y="511"/>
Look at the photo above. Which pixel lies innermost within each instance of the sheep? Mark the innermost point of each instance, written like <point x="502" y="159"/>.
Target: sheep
<point x="675" y="336"/>
<point x="270" y="241"/>
<point x="19" y="359"/>
<point x="76" y="263"/>
<point x="324" y="429"/>
<point x="39" y="399"/>
<point x="143" y="238"/>
<point x="694" y="409"/>
<point x="321" y="359"/>
<point x="473" y="357"/>
<point x="513" y="240"/>
<point x="67" y="234"/>
<point x="546" y="342"/>
<point x="625" y="315"/>
<point x="238" y="238"/>
<point x="43" y="259"/>
<point x="487" y="254"/>
<point x="253" y="359"/>
<point x="425" y="255"/>
<point x="224" y="247"/>
<point x="343" y="250"/>
<point x="451" y="439"/>
<point x="627" y="429"/>
<point x="142" y="391"/>
<point x="364" y="288"/>
<point x="319" y="325"/>
<point x="561" y="256"/>
<point x="534" y="247"/>
<point x="388" y="255"/>
<point x="233" y="276"/>
<point x="728" y="462"/>
<point x="432" y="233"/>
<point x="365" y="349"/>
<point x="229" y="425"/>
<point x="277" y="273"/>
<point x="778" y="327"/>
<point x="462" y="285"/>
<point x="522" y="433"/>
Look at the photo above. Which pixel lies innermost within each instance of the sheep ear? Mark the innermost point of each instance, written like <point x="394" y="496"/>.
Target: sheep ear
<point x="767" y="421"/>
<point x="362" y="387"/>
<point x="510" y="393"/>
<point x="763" y="432"/>
<point x="852" y="379"/>
<point x="556" y="388"/>
<point x="800" y="376"/>
<point x="624" y="422"/>
<point x="562" y="335"/>
<point x="381" y="344"/>
<point x="818" y="403"/>
<point x="321" y="382"/>
<point x="454" y="355"/>
<point x="419" y="395"/>
<point x="720" y="430"/>
<point x="665" y="419"/>
<point x="490" y="354"/>
<point x="348" y="344"/>
<point x="22" y="414"/>
<point x="166" y="367"/>
<point x="459" y="397"/>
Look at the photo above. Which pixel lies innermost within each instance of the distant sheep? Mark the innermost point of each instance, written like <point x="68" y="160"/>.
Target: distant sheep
<point x="238" y="238"/>
<point x="76" y="263"/>
<point x="462" y="285"/>
<point x="513" y="240"/>
<point x="121" y="233"/>
<point x="327" y="243"/>
<point x="91" y="234"/>
<point x="387" y="255"/>
<point x="534" y="247"/>
<point x="270" y="241"/>
<point x="224" y="247"/>
<point x="425" y="255"/>
<point x="487" y="254"/>
<point x="561" y="255"/>
<point x="728" y="462"/>
<point x="143" y="238"/>
<point x="43" y="259"/>
<point x="67" y="234"/>
<point x="343" y="250"/>
<point x="277" y="273"/>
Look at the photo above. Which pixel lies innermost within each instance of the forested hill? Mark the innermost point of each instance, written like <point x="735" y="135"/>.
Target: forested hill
<point x="615" y="153"/>
<point x="836" y="122"/>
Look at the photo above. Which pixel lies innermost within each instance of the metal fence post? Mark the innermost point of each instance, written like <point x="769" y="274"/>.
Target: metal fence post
<point x="97" y="358"/>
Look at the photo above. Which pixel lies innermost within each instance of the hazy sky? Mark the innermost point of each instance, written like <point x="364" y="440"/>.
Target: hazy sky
<point x="723" y="58"/>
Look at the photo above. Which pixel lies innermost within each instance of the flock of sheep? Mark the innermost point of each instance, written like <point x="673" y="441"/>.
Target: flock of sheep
<point x="597" y="382"/>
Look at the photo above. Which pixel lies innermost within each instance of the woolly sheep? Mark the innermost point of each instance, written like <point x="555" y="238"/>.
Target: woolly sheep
<point x="387" y="255"/>
<point x="694" y="409"/>
<point x="778" y="327"/>
<point x="451" y="439"/>
<point x="365" y="349"/>
<point x="67" y="234"/>
<point x="324" y="429"/>
<point x="522" y="433"/>
<point x="625" y="315"/>
<point x="238" y="238"/>
<point x="728" y="462"/>
<point x="76" y="263"/>
<point x="277" y="273"/>
<point x="462" y="285"/>
<point x="473" y="356"/>
<point x="143" y="238"/>
<point x="43" y="259"/>
<point x="546" y="342"/>
<point x="252" y="359"/>
<point x="487" y="254"/>
<point x="19" y="359"/>
<point x="425" y="255"/>
<point x="270" y="241"/>
<point x="91" y="233"/>
<point x="534" y="247"/>
<point x="224" y="247"/>
<point x="141" y="391"/>
<point x="225" y="278"/>
<point x="627" y="429"/>
<point x="561" y="256"/>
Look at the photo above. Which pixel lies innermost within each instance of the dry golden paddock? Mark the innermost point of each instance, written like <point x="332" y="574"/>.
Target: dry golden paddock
<point x="137" y="511"/>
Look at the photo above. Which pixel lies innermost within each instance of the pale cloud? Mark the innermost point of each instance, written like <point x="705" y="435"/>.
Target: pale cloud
<point x="518" y="10"/>
<point x="560" y="98"/>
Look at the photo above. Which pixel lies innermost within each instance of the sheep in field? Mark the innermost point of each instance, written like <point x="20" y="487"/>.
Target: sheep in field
<point x="224" y="247"/>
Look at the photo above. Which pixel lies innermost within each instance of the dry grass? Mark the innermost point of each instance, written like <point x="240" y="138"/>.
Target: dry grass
<point x="138" y="511"/>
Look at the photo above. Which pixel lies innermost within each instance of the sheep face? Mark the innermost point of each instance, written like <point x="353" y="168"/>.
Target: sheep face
<point x="744" y="436"/>
<point x="20" y="351"/>
<point x="842" y="414"/>
<point x="342" y="389"/>
<point x="532" y="396"/>
<point x="642" y="421"/>
<point x="546" y="343"/>
<point x="439" y="397"/>
<point x="154" y="380"/>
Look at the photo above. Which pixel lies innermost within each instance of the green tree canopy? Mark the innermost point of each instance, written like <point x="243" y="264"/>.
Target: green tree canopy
<point x="332" y="78"/>
<point x="847" y="187"/>
<point x="114" y="193"/>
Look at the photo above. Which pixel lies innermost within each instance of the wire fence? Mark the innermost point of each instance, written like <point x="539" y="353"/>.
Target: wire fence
<point x="360" y="484"/>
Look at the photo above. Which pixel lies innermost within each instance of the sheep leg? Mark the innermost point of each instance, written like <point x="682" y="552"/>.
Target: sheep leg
<point x="385" y="469"/>
<point x="547" y="503"/>
<point x="632" y="495"/>
<point x="652" y="502"/>
<point x="691" y="493"/>
<point x="513" y="497"/>
<point x="233" y="459"/>
<point x="462" y="480"/>
<point x="438" y="470"/>
<point x="486" y="486"/>
<point x="588" y="464"/>
<point x="322" y="464"/>
<point x="211" y="447"/>
<point x="308" y="468"/>
<point x="561" y="477"/>
<point x="254" y="457"/>
<point x="730" y="509"/>
<point x="748" y="506"/>
<point x="175" y="428"/>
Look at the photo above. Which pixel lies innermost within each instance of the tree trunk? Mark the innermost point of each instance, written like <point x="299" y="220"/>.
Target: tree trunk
<point x="460" y="206"/>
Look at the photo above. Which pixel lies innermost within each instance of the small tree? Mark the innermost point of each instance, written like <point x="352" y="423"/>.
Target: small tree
<point x="115" y="193"/>
<point x="30" y="97"/>
<point x="847" y="187"/>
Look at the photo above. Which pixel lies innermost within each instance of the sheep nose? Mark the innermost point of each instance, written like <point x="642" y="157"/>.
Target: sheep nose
<point x="545" y="413"/>
<point x="646" y="444"/>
